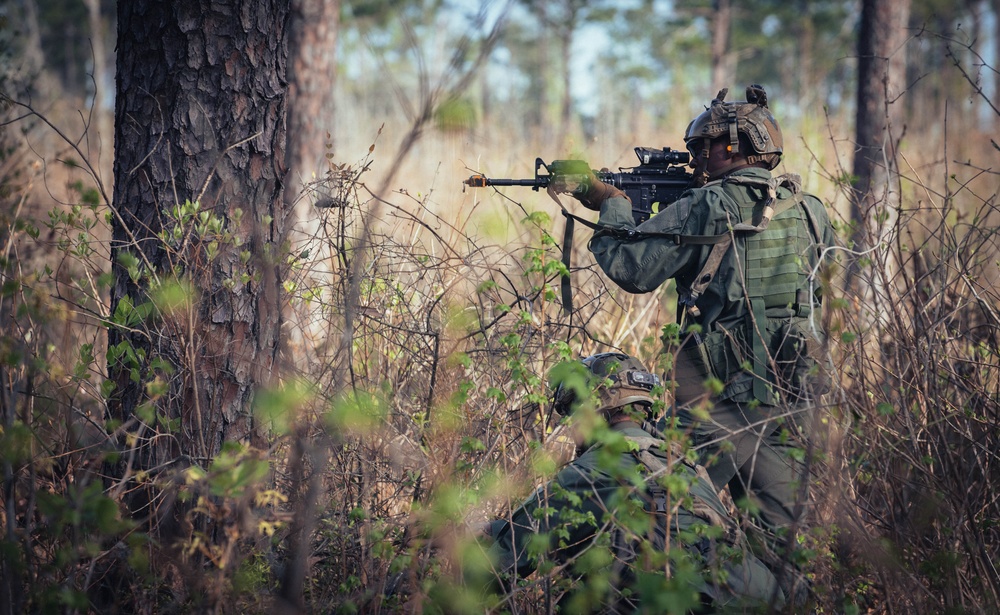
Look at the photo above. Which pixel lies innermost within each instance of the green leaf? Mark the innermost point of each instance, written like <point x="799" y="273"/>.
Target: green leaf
<point x="10" y="287"/>
<point x="496" y="394"/>
<point x="122" y="311"/>
<point x="277" y="408"/>
<point x="472" y="445"/>
<point x="885" y="409"/>
<point x="356" y="412"/>
<point x="146" y="413"/>
<point x="235" y="470"/>
<point x="107" y="388"/>
<point x="15" y="443"/>
<point x="130" y="263"/>
<point x="538" y="217"/>
<point x="173" y="297"/>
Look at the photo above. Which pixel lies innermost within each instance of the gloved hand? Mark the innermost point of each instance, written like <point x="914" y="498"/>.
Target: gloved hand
<point x="586" y="188"/>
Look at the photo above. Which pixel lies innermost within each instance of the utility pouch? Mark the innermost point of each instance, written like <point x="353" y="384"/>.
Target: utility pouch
<point x="727" y="356"/>
<point x="798" y="363"/>
<point x="716" y="356"/>
<point x="691" y="372"/>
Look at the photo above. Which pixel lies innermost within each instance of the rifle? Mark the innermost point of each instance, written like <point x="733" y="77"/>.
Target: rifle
<point x="660" y="178"/>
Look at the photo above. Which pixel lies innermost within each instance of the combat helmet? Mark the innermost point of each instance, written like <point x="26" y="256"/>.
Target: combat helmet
<point x="751" y="118"/>
<point x="617" y="380"/>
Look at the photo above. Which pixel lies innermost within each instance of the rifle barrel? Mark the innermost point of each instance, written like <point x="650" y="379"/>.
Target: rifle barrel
<point x="481" y="181"/>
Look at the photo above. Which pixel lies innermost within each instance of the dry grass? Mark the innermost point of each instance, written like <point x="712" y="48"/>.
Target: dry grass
<point x="411" y="396"/>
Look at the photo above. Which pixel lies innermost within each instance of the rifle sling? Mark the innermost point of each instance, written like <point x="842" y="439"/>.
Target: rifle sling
<point x="721" y="243"/>
<point x="565" y="284"/>
<point x="624" y="233"/>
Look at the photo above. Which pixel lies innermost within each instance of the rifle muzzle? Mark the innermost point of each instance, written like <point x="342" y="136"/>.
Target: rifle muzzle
<point x="476" y="181"/>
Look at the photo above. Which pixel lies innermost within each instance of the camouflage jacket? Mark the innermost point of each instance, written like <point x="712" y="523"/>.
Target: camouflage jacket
<point x="605" y="513"/>
<point x="767" y="275"/>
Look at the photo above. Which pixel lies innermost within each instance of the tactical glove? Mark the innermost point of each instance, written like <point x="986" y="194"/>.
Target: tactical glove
<point x="586" y="188"/>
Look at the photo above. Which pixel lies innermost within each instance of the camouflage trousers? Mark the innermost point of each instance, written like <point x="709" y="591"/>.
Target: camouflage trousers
<point x="760" y="454"/>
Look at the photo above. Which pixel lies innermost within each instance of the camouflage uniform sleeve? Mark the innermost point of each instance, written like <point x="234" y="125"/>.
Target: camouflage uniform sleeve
<point x="568" y="509"/>
<point x="641" y="264"/>
<point x="817" y="211"/>
<point x="510" y="538"/>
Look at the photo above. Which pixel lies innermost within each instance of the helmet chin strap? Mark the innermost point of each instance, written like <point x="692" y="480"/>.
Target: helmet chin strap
<point x="700" y="165"/>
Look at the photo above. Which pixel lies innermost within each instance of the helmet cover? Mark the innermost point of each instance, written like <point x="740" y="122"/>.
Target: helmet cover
<point x="617" y="380"/>
<point x="751" y="118"/>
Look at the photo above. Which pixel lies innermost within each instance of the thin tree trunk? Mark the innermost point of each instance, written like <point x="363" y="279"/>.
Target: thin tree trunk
<point x="541" y="111"/>
<point x="566" y="106"/>
<point x="312" y="76"/>
<point x="32" y="56"/>
<point x="103" y="131"/>
<point x="807" y="80"/>
<point x="313" y="31"/>
<point x="722" y="15"/>
<point x="881" y="74"/>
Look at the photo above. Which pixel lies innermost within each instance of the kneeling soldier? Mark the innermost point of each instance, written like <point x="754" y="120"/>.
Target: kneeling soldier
<point x="630" y="523"/>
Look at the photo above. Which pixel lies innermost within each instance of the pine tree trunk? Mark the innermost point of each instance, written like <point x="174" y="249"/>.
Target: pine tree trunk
<point x="805" y="30"/>
<point x="199" y="116"/>
<point x="102" y="132"/>
<point x="881" y="75"/>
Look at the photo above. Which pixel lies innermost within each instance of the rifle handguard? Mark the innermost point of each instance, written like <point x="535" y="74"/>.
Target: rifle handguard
<point x="597" y="193"/>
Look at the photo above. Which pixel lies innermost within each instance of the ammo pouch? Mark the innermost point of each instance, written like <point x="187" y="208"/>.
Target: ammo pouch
<point x="716" y="355"/>
<point x="798" y="367"/>
<point x="794" y="367"/>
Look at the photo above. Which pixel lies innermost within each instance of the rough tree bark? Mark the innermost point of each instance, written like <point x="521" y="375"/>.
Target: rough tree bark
<point x="312" y="43"/>
<point x="200" y="115"/>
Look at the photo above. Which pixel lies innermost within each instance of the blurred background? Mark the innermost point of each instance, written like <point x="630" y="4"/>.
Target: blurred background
<point x="405" y="394"/>
<point x="562" y="78"/>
